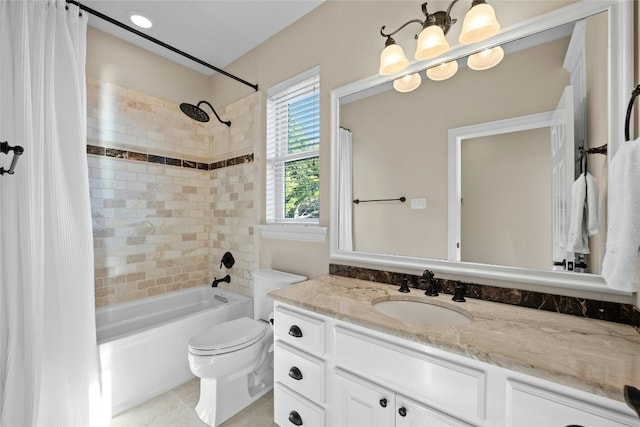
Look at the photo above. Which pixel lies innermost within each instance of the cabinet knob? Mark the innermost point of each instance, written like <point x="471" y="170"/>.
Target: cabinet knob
<point x="402" y="411"/>
<point x="295" y="373"/>
<point x="295" y="331"/>
<point x="383" y="402"/>
<point x="295" y="418"/>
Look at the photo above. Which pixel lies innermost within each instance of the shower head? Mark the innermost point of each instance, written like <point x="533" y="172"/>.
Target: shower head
<point x="197" y="113"/>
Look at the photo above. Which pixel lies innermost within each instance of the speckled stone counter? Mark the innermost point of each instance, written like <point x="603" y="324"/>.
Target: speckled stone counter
<point x="591" y="355"/>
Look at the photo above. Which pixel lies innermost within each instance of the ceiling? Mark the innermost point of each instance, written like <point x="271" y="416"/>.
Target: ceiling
<point x="215" y="31"/>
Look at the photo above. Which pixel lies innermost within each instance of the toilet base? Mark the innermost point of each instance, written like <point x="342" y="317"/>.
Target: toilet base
<point x="221" y="398"/>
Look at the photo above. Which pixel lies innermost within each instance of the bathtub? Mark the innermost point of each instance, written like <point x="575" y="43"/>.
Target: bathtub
<point x="143" y="343"/>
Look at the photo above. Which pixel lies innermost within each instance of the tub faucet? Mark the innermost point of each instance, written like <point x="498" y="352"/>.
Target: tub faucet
<point x="226" y="279"/>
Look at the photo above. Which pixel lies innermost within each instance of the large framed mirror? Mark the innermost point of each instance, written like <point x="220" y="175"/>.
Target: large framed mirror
<point x="486" y="160"/>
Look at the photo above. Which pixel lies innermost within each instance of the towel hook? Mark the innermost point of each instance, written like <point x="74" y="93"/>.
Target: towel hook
<point x="17" y="152"/>
<point x="627" y="121"/>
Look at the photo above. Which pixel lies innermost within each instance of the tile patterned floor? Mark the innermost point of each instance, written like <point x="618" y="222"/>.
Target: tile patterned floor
<point x="175" y="408"/>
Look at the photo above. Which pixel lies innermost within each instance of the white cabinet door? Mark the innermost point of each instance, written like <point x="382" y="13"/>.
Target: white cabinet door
<point x="410" y="413"/>
<point x="359" y="403"/>
<point x="529" y="405"/>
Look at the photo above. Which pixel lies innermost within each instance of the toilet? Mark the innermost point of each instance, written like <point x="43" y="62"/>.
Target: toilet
<point x="234" y="359"/>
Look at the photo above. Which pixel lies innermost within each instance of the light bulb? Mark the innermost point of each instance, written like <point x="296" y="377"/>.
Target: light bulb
<point x="431" y="43"/>
<point x="479" y="24"/>
<point x="443" y="71"/>
<point x="407" y="83"/>
<point x="485" y="59"/>
<point x="392" y="60"/>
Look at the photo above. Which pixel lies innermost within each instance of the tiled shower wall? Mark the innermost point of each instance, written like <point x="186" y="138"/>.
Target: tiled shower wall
<point x="169" y="195"/>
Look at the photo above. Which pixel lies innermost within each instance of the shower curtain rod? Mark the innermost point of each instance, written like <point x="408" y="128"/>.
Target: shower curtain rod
<point x="158" y="42"/>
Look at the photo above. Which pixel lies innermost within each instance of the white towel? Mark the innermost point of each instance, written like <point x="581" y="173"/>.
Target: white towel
<point x="583" y="191"/>
<point x="620" y="264"/>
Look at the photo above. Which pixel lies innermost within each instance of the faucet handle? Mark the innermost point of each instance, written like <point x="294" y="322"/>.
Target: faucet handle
<point x="404" y="288"/>
<point x="432" y="287"/>
<point x="459" y="292"/>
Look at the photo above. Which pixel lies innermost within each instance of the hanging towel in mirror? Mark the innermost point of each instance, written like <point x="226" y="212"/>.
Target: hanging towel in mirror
<point x="620" y="263"/>
<point x="584" y="220"/>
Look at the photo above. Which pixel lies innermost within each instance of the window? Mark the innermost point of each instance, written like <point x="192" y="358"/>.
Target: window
<point x="293" y="142"/>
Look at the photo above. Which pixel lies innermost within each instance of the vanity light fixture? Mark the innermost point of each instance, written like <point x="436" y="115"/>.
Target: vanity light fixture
<point x="485" y="59"/>
<point x="479" y="24"/>
<point x="407" y="83"/>
<point x="443" y="71"/>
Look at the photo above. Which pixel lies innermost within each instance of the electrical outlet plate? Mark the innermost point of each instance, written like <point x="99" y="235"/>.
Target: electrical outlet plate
<point x="418" y="203"/>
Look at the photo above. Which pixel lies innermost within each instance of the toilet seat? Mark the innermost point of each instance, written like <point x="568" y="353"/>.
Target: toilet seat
<point x="227" y="337"/>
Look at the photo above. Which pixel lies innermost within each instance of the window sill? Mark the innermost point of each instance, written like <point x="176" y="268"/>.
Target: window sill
<point x="304" y="233"/>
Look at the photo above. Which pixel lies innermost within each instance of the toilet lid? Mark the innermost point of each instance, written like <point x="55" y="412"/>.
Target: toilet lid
<point x="228" y="336"/>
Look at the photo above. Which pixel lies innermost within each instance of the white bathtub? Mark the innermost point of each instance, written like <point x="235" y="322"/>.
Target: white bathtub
<point x="143" y="344"/>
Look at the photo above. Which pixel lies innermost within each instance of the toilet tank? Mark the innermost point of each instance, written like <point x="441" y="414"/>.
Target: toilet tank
<point x="265" y="281"/>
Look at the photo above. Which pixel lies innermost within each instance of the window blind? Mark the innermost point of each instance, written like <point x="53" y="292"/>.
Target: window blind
<point x="293" y="142"/>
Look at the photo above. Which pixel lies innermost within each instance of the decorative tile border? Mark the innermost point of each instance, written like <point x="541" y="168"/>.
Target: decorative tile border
<point x="611" y="311"/>
<point x="169" y="161"/>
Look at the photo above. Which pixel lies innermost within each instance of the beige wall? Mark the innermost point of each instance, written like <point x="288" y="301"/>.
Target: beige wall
<point x="110" y="59"/>
<point x="597" y="130"/>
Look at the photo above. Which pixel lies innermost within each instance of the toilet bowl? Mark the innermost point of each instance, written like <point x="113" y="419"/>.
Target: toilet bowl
<point x="234" y="359"/>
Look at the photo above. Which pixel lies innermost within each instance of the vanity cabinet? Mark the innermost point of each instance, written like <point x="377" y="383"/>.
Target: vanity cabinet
<point x="359" y="402"/>
<point x="299" y="368"/>
<point x="335" y="373"/>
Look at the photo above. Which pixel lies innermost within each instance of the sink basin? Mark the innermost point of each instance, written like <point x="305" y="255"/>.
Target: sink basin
<point x="422" y="312"/>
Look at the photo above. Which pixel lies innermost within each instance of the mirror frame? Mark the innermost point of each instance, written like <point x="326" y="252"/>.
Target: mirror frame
<point x="620" y="85"/>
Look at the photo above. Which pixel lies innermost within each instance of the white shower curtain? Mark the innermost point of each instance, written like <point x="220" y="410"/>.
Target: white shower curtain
<point x="48" y="353"/>
<point x="345" y="220"/>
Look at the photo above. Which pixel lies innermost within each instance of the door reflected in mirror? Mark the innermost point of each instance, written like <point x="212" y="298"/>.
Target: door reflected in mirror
<point x="506" y="199"/>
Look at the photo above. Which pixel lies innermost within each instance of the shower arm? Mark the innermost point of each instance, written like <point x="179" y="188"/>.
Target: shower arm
<point x="159" y="43"/>
<point x="228" y="123"/>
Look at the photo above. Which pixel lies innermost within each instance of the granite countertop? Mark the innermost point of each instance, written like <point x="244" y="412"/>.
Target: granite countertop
<point x="591" y="355"/>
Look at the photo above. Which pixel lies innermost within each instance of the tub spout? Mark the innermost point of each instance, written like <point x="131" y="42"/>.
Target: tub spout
<point x="215" y="282"/>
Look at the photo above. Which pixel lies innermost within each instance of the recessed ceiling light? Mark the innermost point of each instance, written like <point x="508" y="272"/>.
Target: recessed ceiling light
<point x="140" y="20"/>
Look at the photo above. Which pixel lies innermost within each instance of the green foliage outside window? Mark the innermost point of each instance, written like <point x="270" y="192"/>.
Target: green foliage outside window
<point x="302" y="177"/>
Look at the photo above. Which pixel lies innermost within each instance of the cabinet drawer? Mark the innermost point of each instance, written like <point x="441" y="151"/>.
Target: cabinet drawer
<point x="299" y="330"/>
<point x="301" y="372"/>
<point x="291" y="409"/>
<point x="455" y="389"/>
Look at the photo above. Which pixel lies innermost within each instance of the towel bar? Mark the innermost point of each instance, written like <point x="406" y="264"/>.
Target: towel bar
<point x="627" y="121"/>
<point x="401" y="199"/>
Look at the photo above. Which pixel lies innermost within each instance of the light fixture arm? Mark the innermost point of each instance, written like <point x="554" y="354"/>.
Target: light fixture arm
<point x="388" y="36"/>
<point x="440" y="18"/>
<point x="228" y="123"/>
